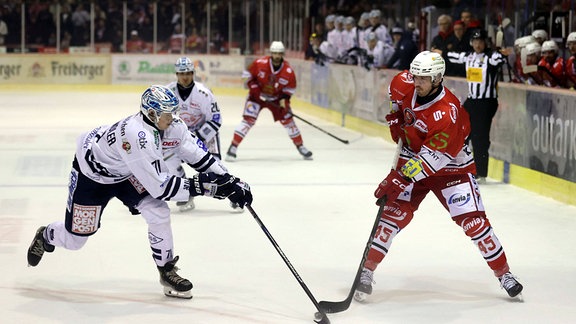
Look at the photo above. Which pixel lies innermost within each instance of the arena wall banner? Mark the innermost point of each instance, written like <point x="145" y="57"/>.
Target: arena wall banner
<point x="214" y="70"/>
<point x="54" y="69"/>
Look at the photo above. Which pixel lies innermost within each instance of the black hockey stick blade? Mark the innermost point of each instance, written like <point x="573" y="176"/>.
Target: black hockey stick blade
<point x="340" y="306"/>
<point x="320" y="316"/>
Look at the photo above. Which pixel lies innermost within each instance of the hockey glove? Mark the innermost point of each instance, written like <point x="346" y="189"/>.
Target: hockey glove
<point x="255" y="91"/>
<point x="241" y="195"/>
<point x="213" y="185"/>
<point x="286" y="110"/>
<point x="395" y="122"/>
<point x="391" y="187"/>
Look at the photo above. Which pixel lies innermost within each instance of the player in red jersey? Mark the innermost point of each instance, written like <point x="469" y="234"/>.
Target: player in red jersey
<point x="571" y="61"/>
<point x="432" y="127"/>
<point x="270" y="80"/>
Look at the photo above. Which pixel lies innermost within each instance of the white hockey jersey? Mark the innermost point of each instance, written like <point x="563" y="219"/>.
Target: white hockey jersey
<point x="199" y="111"/>
<point x="132" y="149"/>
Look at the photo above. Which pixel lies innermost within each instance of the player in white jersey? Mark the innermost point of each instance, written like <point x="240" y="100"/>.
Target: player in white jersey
<point x="199" y="111"/>
<point x="125" y="161"/>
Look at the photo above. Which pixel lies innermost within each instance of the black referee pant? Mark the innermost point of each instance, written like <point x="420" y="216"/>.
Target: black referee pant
<point x="481" y="112"/>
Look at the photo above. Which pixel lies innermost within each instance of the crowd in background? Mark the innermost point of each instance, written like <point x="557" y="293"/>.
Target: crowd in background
<point x="369" y="41"/>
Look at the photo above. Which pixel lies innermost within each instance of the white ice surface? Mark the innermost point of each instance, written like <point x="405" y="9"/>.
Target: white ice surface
<point x="320" y="212"/>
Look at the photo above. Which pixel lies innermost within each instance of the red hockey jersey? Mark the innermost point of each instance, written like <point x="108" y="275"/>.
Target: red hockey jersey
<point x="274" y="85"/>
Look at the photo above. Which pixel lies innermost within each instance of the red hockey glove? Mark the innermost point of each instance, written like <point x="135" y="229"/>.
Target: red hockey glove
<point x="254" y="92"/>
<point x="286" y="110"/>
<point x="395" y="122"/>
<point x="391" y="187"/>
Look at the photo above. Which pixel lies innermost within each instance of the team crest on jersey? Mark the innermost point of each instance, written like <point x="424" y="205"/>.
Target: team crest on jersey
<point x="126" y="146"/>
<point x="409" y="117"/>
<point x="201" y="144"/>
<point x="283" y="81"/>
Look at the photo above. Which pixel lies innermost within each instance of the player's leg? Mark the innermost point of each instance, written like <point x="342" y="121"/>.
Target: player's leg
<point x="249" y="117"/>
<point x="462" y="199"/>
<point x="157" y="215"/>
<point x="86" y="202"/>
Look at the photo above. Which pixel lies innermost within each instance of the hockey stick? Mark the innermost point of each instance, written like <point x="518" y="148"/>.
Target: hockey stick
<point x="322" y="130"/>
<point x="340" y="306"/>
<point x="307" y="122"/>
<point x="320" y="316"/>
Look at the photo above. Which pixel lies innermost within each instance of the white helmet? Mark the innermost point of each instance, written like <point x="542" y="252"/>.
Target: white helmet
<point x="184" y="64"/>
<point x="540" y="33"/>
<point x="523" y="41"/>
<point x="533" y="48"/>
<point x="159" y="99"/>
<point x="549" y="46"/>
<point x="428" y="64"/>
<point x="277" y="47"/>
<point x="571" y="37"/>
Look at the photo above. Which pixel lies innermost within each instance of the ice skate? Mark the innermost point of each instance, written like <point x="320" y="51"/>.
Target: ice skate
<point x="174" y="285"/>
<point x="38" y="247"/>
<point x="231" y="154"/>
<point x="304" y="152"/>
<point x="510" y="284"/>
<point x="364" y="286"/>
<point x="186" y="205"/>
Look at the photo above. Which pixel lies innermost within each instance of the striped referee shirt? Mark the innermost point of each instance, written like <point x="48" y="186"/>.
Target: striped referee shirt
<point x="481" y="72"/>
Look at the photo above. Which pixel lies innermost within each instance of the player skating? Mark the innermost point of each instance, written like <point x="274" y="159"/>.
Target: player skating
<point x="199" y="111"/>
<point x="270" y="81"/>
<point x="432" y="126"/>
<point x="125" y="161"/>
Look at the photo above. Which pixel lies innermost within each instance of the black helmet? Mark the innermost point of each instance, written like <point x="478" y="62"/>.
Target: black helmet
<point x="479" y="34"/>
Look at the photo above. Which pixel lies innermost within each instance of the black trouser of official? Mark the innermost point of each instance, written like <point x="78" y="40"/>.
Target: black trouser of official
<point x="481" y="113"/>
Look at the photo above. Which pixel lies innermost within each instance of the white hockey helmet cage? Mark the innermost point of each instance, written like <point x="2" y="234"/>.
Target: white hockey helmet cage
<point x="184" y="64"/>
<point x="549" y="45"/>
<point x="277" y="47"/>
<point x="428" y="63"/>
<point x="160" y="99"/>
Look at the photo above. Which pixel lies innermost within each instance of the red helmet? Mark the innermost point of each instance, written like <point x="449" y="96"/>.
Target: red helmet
<point x="400" y="86"/>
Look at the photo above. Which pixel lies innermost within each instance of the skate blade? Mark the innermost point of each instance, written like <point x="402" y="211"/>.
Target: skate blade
<point x="360" y="296"/>
<point x="177" y="294"/>
<point x="186" y="208"/>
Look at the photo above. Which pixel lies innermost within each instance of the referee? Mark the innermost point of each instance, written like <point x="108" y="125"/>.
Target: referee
<point x="482" y="68"/>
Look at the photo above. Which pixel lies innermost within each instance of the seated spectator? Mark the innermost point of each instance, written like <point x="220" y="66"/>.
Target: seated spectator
<point x="552" y="65"/>
<point x="404" y="50"/>
<point x="440" y="42"/>
<point x="570" y="62"/>
<point x="135" y="44"/>
<point x="176" y="41"/>
<point x="456" y="43"/>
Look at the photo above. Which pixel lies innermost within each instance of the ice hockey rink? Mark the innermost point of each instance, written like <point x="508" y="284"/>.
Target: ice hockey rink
<point x="320" y="212"/>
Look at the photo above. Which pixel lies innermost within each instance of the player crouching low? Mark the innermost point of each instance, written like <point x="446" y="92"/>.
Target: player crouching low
<point x="125" y="161"/>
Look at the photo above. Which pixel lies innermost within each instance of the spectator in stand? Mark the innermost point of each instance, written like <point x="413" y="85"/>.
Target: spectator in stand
<point x="3" y="27"/>
<point x="377" y="26"/>
<point x="80" y="22"/>
<point x="101" y="33"/>
<point x="540" y="35"/>
<point x="441" y="41"/>
<point x="552" y="65"/>
<point x="570" y="62"/>
<point x="176" y="41"/>
<point x="470" y="24"/>
<point x="135" y="44"/>
<point x="456" y="43"/>
<point x="405" y="50"/>
<point x="195" y="43"/>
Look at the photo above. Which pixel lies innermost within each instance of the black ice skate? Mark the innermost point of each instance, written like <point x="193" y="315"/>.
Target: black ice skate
<point x="512" y="286"/>
<point x="38" y="247"/>
<point x="174" y="285"/>
<point x="304" y="152"/>
<point x="364" y="286"/>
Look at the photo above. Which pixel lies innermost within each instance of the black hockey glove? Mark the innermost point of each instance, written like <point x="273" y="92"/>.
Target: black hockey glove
<point x="242" y="194"/>
<point x="213" y="185"/>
